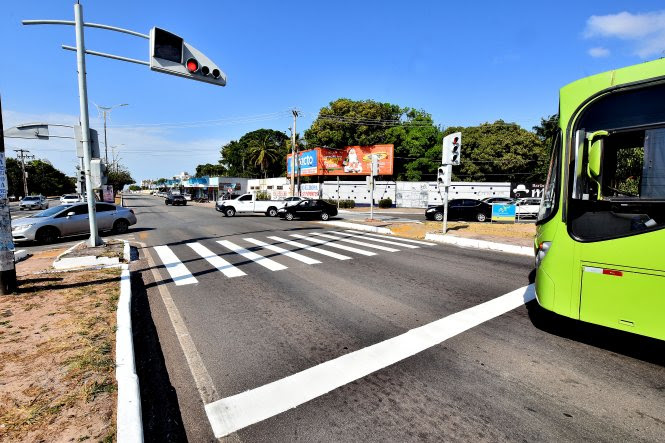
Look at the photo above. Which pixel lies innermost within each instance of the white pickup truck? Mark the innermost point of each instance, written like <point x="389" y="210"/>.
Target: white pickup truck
<point x="247" y="203"/>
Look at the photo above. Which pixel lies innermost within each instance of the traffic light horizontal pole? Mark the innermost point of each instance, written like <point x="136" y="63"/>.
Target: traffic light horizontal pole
<point x="103" y="54"/>
<point x="89" y="25"/>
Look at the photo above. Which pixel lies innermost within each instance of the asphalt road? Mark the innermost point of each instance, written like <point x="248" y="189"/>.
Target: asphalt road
<point x="205" y="338"/>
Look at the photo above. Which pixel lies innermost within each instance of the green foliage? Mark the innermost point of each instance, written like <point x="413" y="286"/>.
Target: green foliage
<point x="343" y="204"/>
<point x="43" y="178"/>
<point x="262" y="195"/>
<point x="500" y="151"/>
<point x="119" y="178"/>
<point x="209" y="170"/>
<point x="547" y="130"/>
<point x="385" y="203"/>
<point x="260" y="152"/>
<point x="134" y="188"/>
<point x="160" y="181"/>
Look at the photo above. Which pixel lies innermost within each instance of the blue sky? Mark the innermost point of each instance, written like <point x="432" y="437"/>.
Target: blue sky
<point x="464" y="62"/>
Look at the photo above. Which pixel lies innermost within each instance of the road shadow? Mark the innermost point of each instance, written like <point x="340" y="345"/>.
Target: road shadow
<point x="162" y="421"/>
<point x="22" y="289"/>
<point x="631" y="345"/>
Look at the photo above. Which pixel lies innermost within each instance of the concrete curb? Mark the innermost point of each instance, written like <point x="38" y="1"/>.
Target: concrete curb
<point x="20" y="255"/>
<point x="480" y="244"/>
<point x="358" y="227"/>
<point x="129" y="422"/>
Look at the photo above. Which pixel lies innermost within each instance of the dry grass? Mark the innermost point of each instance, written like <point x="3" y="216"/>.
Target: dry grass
<point x="518" y="233"/>
<point x="57" y="357"/>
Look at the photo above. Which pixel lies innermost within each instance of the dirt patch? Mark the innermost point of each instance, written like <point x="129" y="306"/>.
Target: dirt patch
<point x="57" y="359"/>
<point x="514" y="233"/>
<point x="109" y="249"/>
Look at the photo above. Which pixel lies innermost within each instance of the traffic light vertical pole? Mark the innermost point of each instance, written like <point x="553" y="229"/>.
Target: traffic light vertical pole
<point x="7" y="267"/>
<point x="449" y="173"/>
<point x="94" y="240"/>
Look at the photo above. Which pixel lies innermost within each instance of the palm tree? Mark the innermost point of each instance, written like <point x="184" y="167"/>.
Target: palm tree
<point x="264" y="153"/>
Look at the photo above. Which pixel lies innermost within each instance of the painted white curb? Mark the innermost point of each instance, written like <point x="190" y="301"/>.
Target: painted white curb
<point x="480" y="244"/>
<point x="20" y="255"/>
<point x="358" y="227"/>
<point x="129" y="422"/>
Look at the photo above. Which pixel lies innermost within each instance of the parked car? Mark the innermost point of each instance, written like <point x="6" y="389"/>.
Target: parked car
<point x="33" y="202"/>
<point x="64" y="220"/>
<point x="462" y="209"/>
<point x="70" y="198"/>
<point x="499" y="200"/>
<point x="188" y="197"/>
<point x="175" y="199"/>
<point x="308" y="209"/>
<point x="528" y="207"/>
<point x="248" y="203"/>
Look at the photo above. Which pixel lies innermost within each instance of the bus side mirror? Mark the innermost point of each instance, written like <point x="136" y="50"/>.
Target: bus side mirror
<point x="595" y="153"/>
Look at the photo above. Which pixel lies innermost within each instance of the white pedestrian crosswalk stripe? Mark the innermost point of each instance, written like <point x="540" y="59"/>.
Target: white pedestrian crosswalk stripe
<point x="330" y="239"/>
<point x="261" y="260"/>
<point x="311" y="248"/>
<point x="176" y="269"/>
<point x="334" y="245"/>
<point x="218" y="262"/>
<point x="356" y="242"/>
<point x="408" y="240"/>
<point x="388" y="242"/>
<point x="293" y="255"/>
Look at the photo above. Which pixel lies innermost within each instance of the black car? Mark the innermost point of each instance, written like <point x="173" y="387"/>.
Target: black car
<point x="499" y="200"/>
<point x="175" y="199"/>
<point x="311" y="209"/>
<point x="462" y="209"/>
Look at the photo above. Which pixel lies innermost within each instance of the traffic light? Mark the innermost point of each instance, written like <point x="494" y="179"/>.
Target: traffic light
<point x="170" y="54"/>
<point x="94" y="142"/>
<point x="442" y="176"/>
<point x="452" y="145"/>
<point x="97" y="173"/>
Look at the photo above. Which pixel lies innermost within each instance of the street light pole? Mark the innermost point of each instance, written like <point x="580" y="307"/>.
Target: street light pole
<point x="7" y="266"/>
<point x="94" y="240"/>
<point x="106" y="110"/>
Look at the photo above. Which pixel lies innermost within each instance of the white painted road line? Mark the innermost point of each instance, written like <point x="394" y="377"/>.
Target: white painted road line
<point x="311" y="248"/>
<point x="218" y="262"/>
<point x="408" y="240"/>
<point x="388" y="242"/>
<point x="261" y="260"/>
<point x="356" y="242"/>
<point x="293" y="255"/>
<point x="178" y="271"/>
<point x="238" y="411"/>
<point x="334" y="245"/>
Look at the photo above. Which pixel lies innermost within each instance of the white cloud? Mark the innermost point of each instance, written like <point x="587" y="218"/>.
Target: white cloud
<point x="599" y="52"/>
<point x="647" y="30"/>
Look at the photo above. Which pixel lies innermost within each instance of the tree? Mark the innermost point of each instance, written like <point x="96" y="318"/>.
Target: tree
<point x="499" y="151"/>
<point x="239" y="156"/>
<point x="210" y="170"/>
<point x="43" y="178"/>
<point x="547" y="130"/>
<point x="160" y="181"/>
<point x="119" y="178"/>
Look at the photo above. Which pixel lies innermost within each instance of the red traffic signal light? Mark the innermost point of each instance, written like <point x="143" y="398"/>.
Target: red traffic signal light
<point x="192" y="65"/>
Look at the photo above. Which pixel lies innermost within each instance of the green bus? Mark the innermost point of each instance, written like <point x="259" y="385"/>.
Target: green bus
<point x="600" y="242"/>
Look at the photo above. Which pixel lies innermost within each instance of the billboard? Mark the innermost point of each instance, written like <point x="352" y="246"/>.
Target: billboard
<point x="349" y="161"/>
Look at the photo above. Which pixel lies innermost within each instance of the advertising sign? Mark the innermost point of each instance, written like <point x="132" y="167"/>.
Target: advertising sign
<point x="3" y="177"/>
<point x="503" y="213"/>
<point x="107" y="193"/>
<point x="521" y="190"/>
<point x="351" y="160"/>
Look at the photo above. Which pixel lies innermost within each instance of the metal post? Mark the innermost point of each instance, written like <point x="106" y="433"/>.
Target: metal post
<point x="106" y="143"/>
<point x="94" y="240"/>
<point x="7" y="266"/>
<point x="371" y="197"/>
<point x="293" y="154"/>
<point x="449" y="173"/>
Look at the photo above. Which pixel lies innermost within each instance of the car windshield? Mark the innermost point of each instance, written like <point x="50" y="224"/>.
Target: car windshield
<point x="51" y="211"/>
<point x="71" y="196"/>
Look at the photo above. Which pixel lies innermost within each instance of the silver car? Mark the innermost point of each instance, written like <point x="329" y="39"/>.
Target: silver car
<point x="33" y="202"/>
<point x="64" y="220"/>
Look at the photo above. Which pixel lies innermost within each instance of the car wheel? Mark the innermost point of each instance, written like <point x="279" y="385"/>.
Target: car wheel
<point x="325" y="216"/>
<point x="289" y="216"/>
<point x="272" y="212"/>
<point x="20" y="208"/>
<point x="230" y="212"/>
<point x="120" y="226"/>
<point x="481" y="217"/>
<point x="438" y="216"/>
<point x="166" y="202"/>
<point x="47" y="235"/>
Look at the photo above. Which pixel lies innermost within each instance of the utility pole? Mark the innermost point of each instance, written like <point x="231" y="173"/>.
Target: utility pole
<point x="7" y="266"/>
<point x="106" y="110"/>
<point x="294" y="154"/>
<point x="21" y="156"/>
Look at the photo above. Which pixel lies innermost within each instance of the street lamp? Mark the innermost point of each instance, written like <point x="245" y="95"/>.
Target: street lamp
<point x="106" y="110"/>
